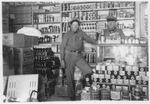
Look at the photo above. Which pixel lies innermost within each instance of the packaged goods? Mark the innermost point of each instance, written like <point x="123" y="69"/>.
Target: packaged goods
<point x="17" y="40"/>
<point x="24" y="68"/>
<point x="23" y="55"/>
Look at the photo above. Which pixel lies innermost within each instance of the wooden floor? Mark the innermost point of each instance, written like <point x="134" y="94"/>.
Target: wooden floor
<point x="56" y="98"/>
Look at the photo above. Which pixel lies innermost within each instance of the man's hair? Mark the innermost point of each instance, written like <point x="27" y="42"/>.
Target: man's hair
<point x="75" y="20"/>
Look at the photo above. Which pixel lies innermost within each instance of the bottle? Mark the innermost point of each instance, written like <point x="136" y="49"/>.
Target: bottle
<point x="87" y="82"/>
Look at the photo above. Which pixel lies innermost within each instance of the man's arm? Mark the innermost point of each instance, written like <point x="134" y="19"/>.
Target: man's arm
<point x="63" y="46"/>
<point x="89" y="39"/>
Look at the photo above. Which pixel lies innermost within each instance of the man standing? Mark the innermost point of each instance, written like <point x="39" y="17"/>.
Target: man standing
<point x="71" y="48"/>
<point x="112" y="30"/>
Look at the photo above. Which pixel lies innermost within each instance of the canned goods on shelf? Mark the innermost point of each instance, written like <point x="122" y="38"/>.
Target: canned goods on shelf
<point x="105" y="94"/>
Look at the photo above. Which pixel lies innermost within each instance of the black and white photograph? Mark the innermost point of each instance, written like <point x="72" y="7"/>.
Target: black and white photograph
<point x="74" y="51"/>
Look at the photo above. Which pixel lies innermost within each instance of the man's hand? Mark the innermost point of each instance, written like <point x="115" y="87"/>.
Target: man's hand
<point x="63" y="64"/>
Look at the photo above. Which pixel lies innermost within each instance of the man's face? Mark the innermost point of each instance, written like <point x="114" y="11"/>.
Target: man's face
<point x="75" y="26"/>
<point x="111" y="24"/>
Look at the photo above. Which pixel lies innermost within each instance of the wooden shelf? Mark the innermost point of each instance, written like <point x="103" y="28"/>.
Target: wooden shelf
<point x="113" y="44"/>
<point x="52" y="4"/>
<point x="48" y="23"/>
<point x="101" y="9"/>
<point x="51" y="12"/>
<point x="52" y="43"/>
<point x="119" y="19"/>
<point x="119" y="84"/>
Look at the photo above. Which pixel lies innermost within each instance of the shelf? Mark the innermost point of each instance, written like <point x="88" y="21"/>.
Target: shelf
<point x="52" y="4"/>
<point x="119" y="19"/>
<point x="22" y="13"/>
<point x="132" y="7"/>
<point x="83" y="21"/>
<point x="48" y="23"/>
<point x="52" y="12"/>
<point x="117" y="44"/>
<point x="101" y="9"/>
<point x="78" y="10"/>
<point x="52" y="43"/>
<point x="119" y="84"/>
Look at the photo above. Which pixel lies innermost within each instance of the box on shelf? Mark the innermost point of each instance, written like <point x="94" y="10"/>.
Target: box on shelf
<point x="23" y="55"/>
<point x="17" y="40"/>
<point x="24" y="68"/>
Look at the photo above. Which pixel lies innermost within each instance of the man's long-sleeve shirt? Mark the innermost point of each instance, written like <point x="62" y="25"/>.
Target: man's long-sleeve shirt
<point x="74" y="41"/>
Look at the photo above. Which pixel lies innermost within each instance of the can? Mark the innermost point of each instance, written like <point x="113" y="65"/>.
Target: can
<point x="85" y="95"/>
<point x="136" y="98"/>
<point x="115" y="95"/>
<point x="137" y="91"/>
<point x="105" y="94"/>
<point x="95" y="95"/>
<point x="126" y="98"/>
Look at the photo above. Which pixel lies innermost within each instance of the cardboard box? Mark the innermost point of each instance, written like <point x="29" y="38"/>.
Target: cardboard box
<point x="35" y="40"/>
<point x="23" y="55"/>
<point x="5" y="25"/>
<point x="17" y="40"/>
<point x="24" y="68"/>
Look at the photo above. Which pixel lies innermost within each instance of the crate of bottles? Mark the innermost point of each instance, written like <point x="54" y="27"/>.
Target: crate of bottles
<point x="24" y="68"/>
<point x="23" y="55"/>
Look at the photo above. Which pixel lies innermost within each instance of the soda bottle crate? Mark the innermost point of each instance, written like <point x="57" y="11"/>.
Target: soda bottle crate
<point x="24" y="68"/>
<point x="23" y="55"/>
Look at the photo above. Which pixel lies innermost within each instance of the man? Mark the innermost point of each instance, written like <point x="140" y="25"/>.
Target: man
<point x="71" y="48"/>
<point x="112" y="30"/>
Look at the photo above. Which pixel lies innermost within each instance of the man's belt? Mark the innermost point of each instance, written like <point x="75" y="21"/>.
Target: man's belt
<point x="75" y="51"/>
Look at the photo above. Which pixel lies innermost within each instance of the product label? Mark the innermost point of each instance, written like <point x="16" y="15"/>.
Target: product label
<point x="135" y="68"/>
<point x="116" y="68"/>
<point x="132" y="82"/>
<point x="142" y="73"/>
<point x="138" y="77"/>
<point x="119" y="81"/>
<point x="109" y="68"/>
<point x="103" y="67"/>
<point x="101" y="76"/>
<point x="145" y="78"/>
<point x="114" y="81"/>
<point x="107" y="76"/>
<point x="126" y="81"/>
<point x="115" y="95"/>
<point x="122" y="73"/>
<point x="128" y="68"/>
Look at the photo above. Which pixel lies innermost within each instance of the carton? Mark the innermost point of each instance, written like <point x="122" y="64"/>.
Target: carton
<point x="17" y="40"/>
<point x="23" y="55"/>
<point x="24" y="68"/>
